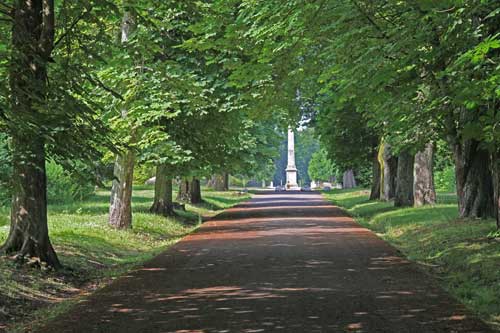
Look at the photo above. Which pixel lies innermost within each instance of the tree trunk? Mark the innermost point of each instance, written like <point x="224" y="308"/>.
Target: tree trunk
<point x="163" y="200"/>
<point x="375" y="189"/>
<point x="226" y="181"/>
<point x="474" y="180"/>
<point x="29" y="236"/>
<point x="348" y="179"/>
<point x="495" y="167"/>
<point x="120" y="210"/>
<point x="32" y="44"/>
<point x="195" y="191"/>
<point x="404" y="183"/>
<point x="423" y="186"/>
<point x="388" y="165"/>
<point x="184" y="193"/>
<point x="220" y="182"/>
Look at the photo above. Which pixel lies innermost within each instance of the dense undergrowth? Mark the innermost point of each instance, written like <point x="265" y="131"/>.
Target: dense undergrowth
<point x="461" y="254"/>
<point x="92" y="253"/>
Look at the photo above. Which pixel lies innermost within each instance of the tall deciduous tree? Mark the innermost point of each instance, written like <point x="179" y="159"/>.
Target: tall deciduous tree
<point x="32" y="45"/>
<point x="120" y="209"/>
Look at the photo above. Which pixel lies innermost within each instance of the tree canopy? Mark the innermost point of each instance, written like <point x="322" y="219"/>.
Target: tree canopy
<point x="206" y="87"/>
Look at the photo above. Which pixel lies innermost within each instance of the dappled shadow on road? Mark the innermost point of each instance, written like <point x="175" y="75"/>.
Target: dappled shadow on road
<point x="280" y="263"/>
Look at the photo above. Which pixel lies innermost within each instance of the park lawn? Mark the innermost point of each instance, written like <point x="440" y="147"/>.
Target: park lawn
<point x="462" y="254"/>
<point x="93" y="254"/>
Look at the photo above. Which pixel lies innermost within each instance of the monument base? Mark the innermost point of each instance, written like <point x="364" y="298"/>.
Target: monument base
<point x="291" y="179"/>
<point x="293" y="188"/>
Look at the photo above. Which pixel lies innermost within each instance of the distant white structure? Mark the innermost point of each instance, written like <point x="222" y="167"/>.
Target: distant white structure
<point x="314" y="185"/>
<point x="291" y="170"/>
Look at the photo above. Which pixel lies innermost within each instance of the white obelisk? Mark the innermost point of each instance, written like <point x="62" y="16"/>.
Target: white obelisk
<point x="291" y="170"/>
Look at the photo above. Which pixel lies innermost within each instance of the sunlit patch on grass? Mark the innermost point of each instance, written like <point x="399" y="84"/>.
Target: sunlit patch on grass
<point x="459" y="252"/>
<point x="92" y="252"/>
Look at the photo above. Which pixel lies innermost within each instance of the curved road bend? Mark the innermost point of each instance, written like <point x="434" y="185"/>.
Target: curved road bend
<point x="281" y="262"/>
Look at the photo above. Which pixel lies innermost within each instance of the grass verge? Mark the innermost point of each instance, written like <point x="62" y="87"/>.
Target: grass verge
<point x="93" y="254"/>
<point x="457" y="252"/>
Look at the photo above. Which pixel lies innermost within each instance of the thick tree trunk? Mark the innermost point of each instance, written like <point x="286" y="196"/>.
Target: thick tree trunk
<point x="195" y="191"/>
<point x="375" y="189"/>
<point x="120" y="210"/>
<point x="32" y="44"/>
<point x="388" y="173"/>
<point x="184" y="193"/>
<point x="163" y="200"/>
<point x="29" y="236"/>
<point x="348" y="180"/>
<point x="404" y="182"/>
<point x="474" y="180"/>
<point x="423" y="173"/>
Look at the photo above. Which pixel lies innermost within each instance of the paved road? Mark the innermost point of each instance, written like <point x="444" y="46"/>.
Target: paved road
<point x="278" y="263"/>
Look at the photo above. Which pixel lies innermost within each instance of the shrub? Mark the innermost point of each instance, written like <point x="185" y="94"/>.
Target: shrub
<point x="64" y="188"/>
<point x="445" y="179"/>
<point x="143" y="172"/>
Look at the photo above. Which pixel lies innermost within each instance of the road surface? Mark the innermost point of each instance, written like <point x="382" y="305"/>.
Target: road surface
<point x="281" y="262"/>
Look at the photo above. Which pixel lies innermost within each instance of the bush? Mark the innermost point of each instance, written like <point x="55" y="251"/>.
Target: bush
<point x="63" y="188"/>
<point x="445" y="179"/>
<point x="236" y="181"/>
<point x="142" y="173"/>
<point x="364" y="176"/>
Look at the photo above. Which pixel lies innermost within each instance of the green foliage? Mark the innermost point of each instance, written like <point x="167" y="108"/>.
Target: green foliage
<point x="320" y="167"/>
<point x="444" y="180"/>
<point x="62" y="187"/>
<point x="306" y="144"/>
<point x="142" y="173"/>
<point x="364" y="175"/>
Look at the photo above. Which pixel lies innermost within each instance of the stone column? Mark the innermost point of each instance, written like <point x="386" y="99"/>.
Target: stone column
<point x="291" y="170"/>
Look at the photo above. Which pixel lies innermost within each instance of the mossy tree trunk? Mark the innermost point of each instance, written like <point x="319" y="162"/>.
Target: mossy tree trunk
<point x="163" y="199"/>
<point x="423" y="186"/>
<point x="32" y="44"/>
<point x="388" y="165"/>
<point x="404" y="182"/>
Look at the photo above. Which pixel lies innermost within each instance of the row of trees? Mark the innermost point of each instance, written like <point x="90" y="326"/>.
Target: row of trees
<point x="196" y="88"/>
<point x="397" y="96"/>
<point x="97" y="80"/>
<point x="383" y="81"/>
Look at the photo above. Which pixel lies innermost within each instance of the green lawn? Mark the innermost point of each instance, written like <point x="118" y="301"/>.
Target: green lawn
<point x="457" y="252"/>
<point x="93" y="253"/>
